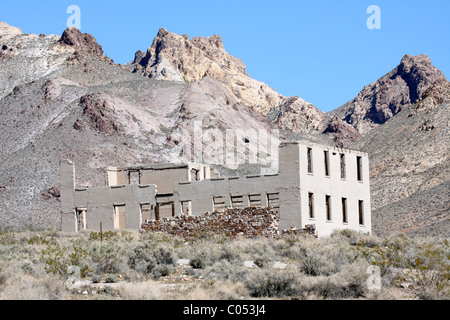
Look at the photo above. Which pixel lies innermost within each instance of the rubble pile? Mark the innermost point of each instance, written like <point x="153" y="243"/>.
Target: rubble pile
<point x="249" y="223"/>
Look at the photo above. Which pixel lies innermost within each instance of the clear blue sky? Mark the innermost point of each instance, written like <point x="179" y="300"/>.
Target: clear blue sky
<point x="319" y="50"/>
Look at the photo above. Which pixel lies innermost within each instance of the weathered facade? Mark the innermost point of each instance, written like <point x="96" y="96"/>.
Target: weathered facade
<point x="316" y="185"/>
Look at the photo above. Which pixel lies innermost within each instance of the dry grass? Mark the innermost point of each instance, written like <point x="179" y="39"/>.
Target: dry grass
<point x="43" y="266"/>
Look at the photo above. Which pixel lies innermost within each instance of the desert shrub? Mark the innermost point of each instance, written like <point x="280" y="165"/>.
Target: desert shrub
<point x="266" y="283"/>
<point x="320" y="260"/>
<point x="350" y="283"/>
<point x="197" y="262"/>
<point x="111" y="279"/>
<point x="57" y="259"/>
<point x="107" y="235"/>
<point x="40" y="240"/>
<point x="45" y="287"/>
<point x="157" y="238"/>
<point x="224" y="270"/>
<point x="427" y="270"/>
<point x="109" y="257"/>
<point x="162" y="270"/>
<point x="204" y="253"/>
<point x="422" y="265"/>
<point x="8" y="238"/>
<point x="157" y="260"/>
<point x="107" y="293"/>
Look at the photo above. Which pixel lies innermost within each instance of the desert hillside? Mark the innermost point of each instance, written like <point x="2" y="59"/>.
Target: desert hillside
<point x="61" y="97"/>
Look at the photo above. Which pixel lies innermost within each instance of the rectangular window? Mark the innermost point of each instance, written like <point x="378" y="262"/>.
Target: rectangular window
<point x="254" y="200"/>
<point x="326" y="156"/>
<point x="310" y="164"/>
<point x="237" y="202"/>
<point x="273" y="200"/>
<point x="146" y="213"/>
<point x="343" y="169"/>
<point x="359" y="168"/>
<point x="134" y="177"/>
<point x="81" y="218"/>
<point x="219" y="203"/>
<point x="328" y="207"/>
<point x="165" y="210"/>
<point x="361" y="212"/>
<point x="344" y="210"/>
<point x="311" y="205"/>
<point x="186" y="208"/>
<point x="120" y="217"/>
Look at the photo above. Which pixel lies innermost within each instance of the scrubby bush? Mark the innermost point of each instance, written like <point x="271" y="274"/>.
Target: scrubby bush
<point x="225" y="270"/>
<point x="111" y="279"/>
<point x="157" y="260"/>
<point x="57" y="259"/>
<point x="266" y="283"/>
<point x="109" y="257"/>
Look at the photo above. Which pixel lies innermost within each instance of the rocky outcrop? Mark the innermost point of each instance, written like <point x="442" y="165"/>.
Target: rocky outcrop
<point x="175" y="57"/>
<point x="409" y="167"/>
<point x="84" y="44"/>
<point x="98" y="113"/>
<point x="434" y="96"/>
<point x="296" y="115"/>
<point x="386" y="97"/>
<point x="188" y="59"/>
<point x="342" y="133"/>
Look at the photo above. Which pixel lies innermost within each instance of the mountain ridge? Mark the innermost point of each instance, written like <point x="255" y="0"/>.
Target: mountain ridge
<point x="61" y="97"/>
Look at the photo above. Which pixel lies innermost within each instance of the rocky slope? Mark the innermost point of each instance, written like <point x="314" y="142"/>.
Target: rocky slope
<point x="410" y="166"/>
<point x="61" y="97"/>
<point x="178" y="58"/>
<point x="386" y="97"/>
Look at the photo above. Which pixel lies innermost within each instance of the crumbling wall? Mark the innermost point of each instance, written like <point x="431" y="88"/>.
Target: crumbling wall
<point x="249" y="223"/>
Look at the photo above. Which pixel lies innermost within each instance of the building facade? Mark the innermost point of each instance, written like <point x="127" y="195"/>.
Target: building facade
<point x="316" y="185"/>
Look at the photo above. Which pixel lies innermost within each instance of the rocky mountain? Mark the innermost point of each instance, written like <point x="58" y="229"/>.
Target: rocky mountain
<point x="410" y="166"/>
<point x="178" y="58"/>
<point x="386" y="97"/>
<point x="61" y="97"/>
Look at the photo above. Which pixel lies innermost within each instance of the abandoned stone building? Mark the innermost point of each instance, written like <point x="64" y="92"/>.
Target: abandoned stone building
<point x="320" y="185"/>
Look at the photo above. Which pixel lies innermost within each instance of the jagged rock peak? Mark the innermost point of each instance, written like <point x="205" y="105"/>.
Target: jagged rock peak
<point x="177" y="58"/>
<point x="386" y="97"/>
<point x="84" y="42"/>
<point x="162" y="32"/>
<point x="419" y="73"/>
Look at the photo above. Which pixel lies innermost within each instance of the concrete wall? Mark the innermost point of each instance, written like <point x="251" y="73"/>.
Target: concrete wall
<point x="294" y="184"/>
<point x="99" y="203"/>
<point x="172" y="189"/>
<point x="67" y="186"/>
<point x="321" y="185"/>
<point x="202" y="193"/>
<point x="117" y="177"/>
<point x="285" y="185"/>
<point x="164" y="179"/>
